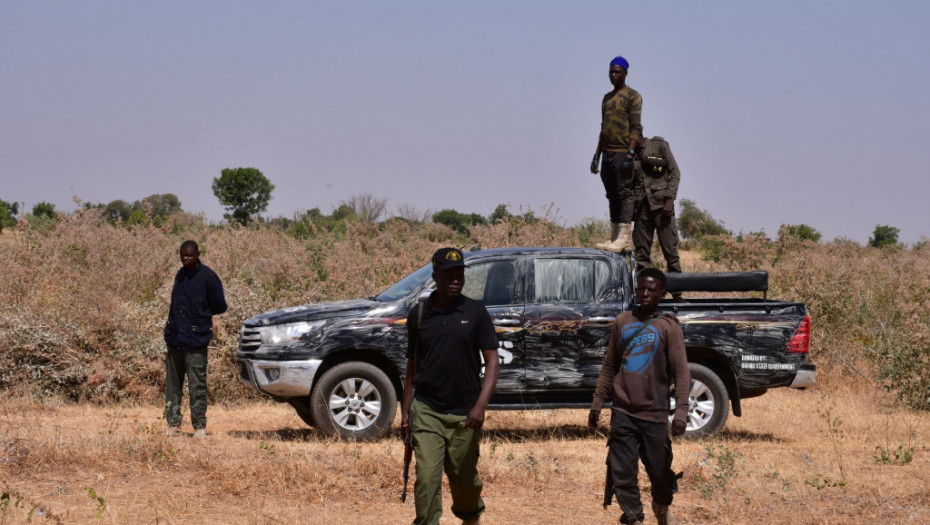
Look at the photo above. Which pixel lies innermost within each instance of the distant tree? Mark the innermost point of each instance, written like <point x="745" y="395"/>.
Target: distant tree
<point x="117" y="211"/>
<point x="244" y="192"/>
<point x="8" y="212"/>
<point x="411" y="214"/>
<point x="44" y="209"/>
<point x="801" y="232"/>
<point x="458" y="221"/>
<point x="161" y="204"/>
<point x="137" y="217"/>
<point x="695" y="223"/>
<point x="500" y="213"/>
<point x="366" y="207"/>
<point x="453" y="219"/>
<point x="476" y="218"/>
<point x="344" y="212"/>
<point x="884" y="236"/>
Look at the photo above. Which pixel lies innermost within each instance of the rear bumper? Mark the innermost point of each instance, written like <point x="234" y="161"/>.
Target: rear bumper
<point x="805" y="377"/>
<point x="279" y="378"/>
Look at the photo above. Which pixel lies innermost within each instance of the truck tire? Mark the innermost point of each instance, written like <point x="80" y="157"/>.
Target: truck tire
<point x="708" y="402"/>
<point x="302" y="407"/>
<point x="355" y="401"/>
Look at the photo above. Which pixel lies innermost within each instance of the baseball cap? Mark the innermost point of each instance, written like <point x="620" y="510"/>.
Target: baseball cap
<point x="446" y="258"/>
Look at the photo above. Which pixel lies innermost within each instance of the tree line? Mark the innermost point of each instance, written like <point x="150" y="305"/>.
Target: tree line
<point x="246" y="192"/>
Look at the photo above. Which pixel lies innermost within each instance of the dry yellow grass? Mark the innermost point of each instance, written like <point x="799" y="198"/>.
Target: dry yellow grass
<point x="810" y="457"/>
<point x="798" y="457"/>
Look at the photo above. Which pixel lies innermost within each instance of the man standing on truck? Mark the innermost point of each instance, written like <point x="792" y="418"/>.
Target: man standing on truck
<point x="196" y="297"/>
<point x="655" y="190"/>
<point x="645" y="355"/>
<point x="444" y="396"/>
<point x="621" y="134"/>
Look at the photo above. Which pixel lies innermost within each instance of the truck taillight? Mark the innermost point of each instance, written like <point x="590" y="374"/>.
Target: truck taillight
<point x="800" y="342"/>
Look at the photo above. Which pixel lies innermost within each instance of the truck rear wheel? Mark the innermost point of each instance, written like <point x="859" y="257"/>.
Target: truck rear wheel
<point x="708" y="402"/>
<point x="354" y="400"/>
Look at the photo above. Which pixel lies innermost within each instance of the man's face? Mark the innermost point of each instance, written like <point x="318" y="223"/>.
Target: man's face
<point x="190" y="258"/>
<point x="449" y="282"/>
<point x="617" y="76"/>
<point x="649" y="291"/>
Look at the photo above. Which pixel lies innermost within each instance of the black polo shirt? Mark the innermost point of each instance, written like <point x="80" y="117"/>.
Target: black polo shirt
<point x="447" y="378"/>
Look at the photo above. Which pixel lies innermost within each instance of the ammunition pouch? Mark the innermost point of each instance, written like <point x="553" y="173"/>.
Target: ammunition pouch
<point x="654" y="165"/>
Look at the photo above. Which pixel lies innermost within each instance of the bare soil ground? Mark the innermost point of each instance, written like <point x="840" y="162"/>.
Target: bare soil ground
<point x="823" y="456"/>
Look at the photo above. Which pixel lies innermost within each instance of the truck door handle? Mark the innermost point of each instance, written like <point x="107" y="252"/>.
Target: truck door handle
<point x="601" y="319"/>
<point x="506" y="322"/>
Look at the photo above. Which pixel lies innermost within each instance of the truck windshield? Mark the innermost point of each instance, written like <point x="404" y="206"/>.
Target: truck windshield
<point x="407" y="285"/>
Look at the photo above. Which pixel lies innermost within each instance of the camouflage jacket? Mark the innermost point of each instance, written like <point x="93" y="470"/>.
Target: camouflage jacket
<point x="656" y="173"/>
<point x="621" y="119"/>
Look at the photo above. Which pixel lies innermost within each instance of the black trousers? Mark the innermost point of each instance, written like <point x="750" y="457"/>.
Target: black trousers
<point x="632" y="440"/>
<point x="618" y="185"/>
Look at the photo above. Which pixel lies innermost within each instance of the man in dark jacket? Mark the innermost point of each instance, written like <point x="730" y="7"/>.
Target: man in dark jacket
<point x="196" y="297"/>
<point x="645" y="355"/>
<point x="654" y="192"/>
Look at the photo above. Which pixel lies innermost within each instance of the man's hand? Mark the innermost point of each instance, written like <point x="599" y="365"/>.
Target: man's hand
<point x="475" y="418"/>
<point x="634" y="144"/>
<point x="679" y="427"/>
<point x="668" y="209"/>
<point x="594" y="417"/>
<point x="595" y="162"/>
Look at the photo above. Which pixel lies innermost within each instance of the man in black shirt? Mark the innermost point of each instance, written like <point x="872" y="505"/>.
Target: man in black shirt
<point x="444" y="396"/>
<point x="196" y="297"/>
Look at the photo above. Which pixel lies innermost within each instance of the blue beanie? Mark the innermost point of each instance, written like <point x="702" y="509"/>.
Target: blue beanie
<point x="620" y="61"/>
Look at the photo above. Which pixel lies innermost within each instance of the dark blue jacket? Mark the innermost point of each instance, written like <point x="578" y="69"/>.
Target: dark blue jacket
<point x="195" y="298"/>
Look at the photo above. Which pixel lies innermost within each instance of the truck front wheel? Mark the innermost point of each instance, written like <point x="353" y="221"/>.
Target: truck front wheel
<point x="708" y="402"/>
<point x="354" y="400"/>
<point x="302" y="407"/>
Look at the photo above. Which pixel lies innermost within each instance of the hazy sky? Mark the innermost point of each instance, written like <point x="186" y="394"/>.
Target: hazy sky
<point x="777" y="112"/>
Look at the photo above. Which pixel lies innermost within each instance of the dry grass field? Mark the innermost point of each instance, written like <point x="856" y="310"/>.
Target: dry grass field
<point x="830" y="455"/>
<point x="83" y="303"/>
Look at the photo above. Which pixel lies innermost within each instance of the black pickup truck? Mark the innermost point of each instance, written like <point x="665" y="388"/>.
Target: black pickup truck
<point x="341" y="364"/>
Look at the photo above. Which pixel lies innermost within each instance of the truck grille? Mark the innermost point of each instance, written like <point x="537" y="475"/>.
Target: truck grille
<point x="249" y="339"/>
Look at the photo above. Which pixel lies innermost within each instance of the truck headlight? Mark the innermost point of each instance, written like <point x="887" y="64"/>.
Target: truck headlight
<point x="287" y="333"/>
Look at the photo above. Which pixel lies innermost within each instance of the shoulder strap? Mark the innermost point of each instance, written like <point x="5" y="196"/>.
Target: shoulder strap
<point x="626" y="346"/>
<point x="416" y="341"/>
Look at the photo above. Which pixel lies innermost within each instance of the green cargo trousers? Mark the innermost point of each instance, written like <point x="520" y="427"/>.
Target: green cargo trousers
<point x="441" y="442"/>
<point x="192" y="363"/>
<point x="648" y="223"/>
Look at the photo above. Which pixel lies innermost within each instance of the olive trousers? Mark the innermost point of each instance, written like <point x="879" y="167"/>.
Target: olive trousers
<point x="193" y="364"/>
<point x="648" y="223"/>
<point x="442" y="443"/>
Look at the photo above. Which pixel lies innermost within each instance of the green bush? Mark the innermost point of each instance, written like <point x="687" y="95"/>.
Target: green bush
<point x="884" y="236"/>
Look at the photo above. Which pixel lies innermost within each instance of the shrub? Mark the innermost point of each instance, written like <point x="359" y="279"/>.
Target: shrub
<point x="884" y="236"/>
<point x="801" y="232"/>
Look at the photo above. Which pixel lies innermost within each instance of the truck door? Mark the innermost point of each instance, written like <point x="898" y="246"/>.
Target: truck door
<point x="496" y="284"/>
<point x="567" y="322"/>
